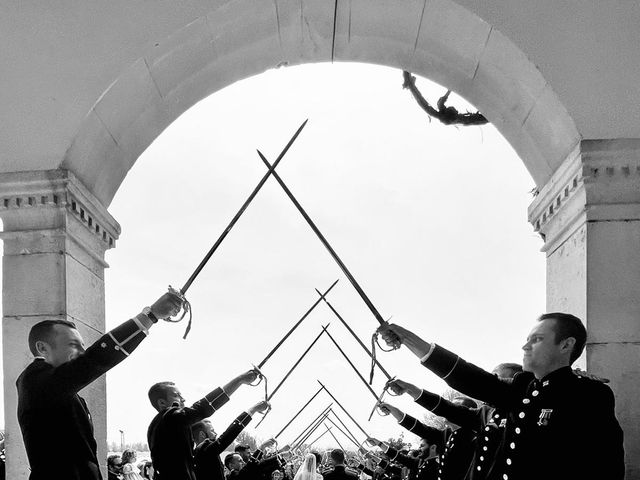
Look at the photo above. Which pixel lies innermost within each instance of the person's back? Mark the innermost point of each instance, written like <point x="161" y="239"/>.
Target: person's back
<point x="339" y="471"/>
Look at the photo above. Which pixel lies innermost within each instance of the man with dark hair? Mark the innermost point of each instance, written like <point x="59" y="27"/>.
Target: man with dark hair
<point x="48" y="399"/>
<point x="552" y="414"/>
<point x="209" y="446"/>
<point x="114" y="467"/>
<point x="169" y="434"/>
<point x="234" y="464"/>
<point x="339" y="472"/>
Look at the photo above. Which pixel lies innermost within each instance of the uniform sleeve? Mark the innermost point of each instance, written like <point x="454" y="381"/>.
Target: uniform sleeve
<point x="228" y="436"/>
<point x="108" y="351"/>
<point x="609" y="463"/>
<point x="469" y="379"/>
<point x="418" y="428"/>
<point x="406" y="460"/>
<point x="200" y="410"/>
<point x="461" y="416"/>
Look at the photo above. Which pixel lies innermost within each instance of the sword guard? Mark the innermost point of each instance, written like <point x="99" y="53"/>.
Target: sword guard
<point x="186" y="309"/>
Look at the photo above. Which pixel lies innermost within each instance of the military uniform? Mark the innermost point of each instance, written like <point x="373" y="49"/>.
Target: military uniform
<point x="50" y="411"/>
<point x="170" y="439"/>
<point x="484" y="424"/>
<point x="559" y="427"/>
<point x="208" y="465"/>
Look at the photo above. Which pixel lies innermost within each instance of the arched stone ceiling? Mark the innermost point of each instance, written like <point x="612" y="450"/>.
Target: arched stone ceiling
<point x="96" y="82"/>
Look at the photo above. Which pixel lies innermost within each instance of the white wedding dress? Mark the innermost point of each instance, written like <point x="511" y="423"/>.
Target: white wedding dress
<point x="307" y="470"/>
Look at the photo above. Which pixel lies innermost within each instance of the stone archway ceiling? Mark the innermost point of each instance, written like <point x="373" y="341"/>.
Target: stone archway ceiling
<point x="180" y="63"/>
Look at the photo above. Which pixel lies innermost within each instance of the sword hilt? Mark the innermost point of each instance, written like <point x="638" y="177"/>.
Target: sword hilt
<point x="185" y="309"/>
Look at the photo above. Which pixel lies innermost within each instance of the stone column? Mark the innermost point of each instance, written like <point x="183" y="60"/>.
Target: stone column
<point x="589" y="217"/>
<point x="55" y="235"/>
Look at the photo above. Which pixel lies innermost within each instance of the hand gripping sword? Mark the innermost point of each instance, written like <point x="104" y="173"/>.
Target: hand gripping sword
<point x="186" y="307"/>
<point x="332" y="252"/>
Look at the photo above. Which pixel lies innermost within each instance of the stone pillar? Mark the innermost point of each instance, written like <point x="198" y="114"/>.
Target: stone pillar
<point x="55" y="236"/>
<point x="589" y="217"/>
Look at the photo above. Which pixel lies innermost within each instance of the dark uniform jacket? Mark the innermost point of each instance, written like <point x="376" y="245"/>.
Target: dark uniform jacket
<point x="552" y="425"/>
<point x="51" y="412"/>
<point x="207" y="455"/>
<point x="170" y="439"/>
<point x="480" y="436"/>
<point x="339" y="472"/>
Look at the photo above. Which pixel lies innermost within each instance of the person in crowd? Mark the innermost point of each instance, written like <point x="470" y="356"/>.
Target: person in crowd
<point x="339" y="471"/>
<point x="234" y="464"/>
<point x="481" y="425"/>
<point x="114" y="467"/>
<point x="129" y="469"/>
<point x="169" y="434"/>
<point x="146" y="469"/>
<point x="552" y="414"/>
<point x="426" y="466"/>
<point x="48" y="388"/>
<point x="209" y="446"/>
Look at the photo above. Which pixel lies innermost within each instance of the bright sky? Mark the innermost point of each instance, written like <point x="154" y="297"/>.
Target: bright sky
<point x="431" y="221"/>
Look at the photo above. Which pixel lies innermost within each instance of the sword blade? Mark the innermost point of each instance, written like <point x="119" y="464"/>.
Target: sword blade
<point x="319" y="437"/>
<point x="344" y="426"/>
<point x="335" y="312"/>
<point x="344" y="409"/>
<point x="324" y="330"/>
<point x="375" y="395"/>
<point x="310" y="424"/>
<point x="237" y="216"/>
<point x="312" y="428"/>
<point x="299" y="412"/>
<point x="334" y="437"/>
<point x="261" y="364"/>
<point x="343" y="433"/>
<point x="324" y="241"/>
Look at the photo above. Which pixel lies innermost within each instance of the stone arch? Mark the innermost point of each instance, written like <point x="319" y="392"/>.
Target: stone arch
<point x="437" y="39"/>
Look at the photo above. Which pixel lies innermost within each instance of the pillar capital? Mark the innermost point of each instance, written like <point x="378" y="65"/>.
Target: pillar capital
<point x="51" y="210"/>
<point x="598" y="182"/>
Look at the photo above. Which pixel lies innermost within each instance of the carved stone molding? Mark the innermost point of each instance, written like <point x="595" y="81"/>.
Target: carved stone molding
<point x="31" y="202"/>
<point x="599" y="181"/>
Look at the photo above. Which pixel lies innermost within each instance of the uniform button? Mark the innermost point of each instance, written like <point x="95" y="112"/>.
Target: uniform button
<point x="117" y="347"/>
<point x="479" y="468"/>
<point x="512" y="445"/>
<point x="545" y="383"/>
<point x="508" y="461"/>
<point x="526" y="401"/>
<point x="518" y="430"/>
<point x="505" y="476"/>
<point x="496" y="415"/>
<point x="521" y="415"/>
<point x="486" y="439"/>
<point x="535" y="393"/>
<point x="486" y="429"/>
<point x="103" y="345"/>
<point x="481" y="458"/>
<point x="484" y="448"/>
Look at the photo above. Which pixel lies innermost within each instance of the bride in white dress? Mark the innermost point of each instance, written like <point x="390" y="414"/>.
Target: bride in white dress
<point x="307" y="470"/>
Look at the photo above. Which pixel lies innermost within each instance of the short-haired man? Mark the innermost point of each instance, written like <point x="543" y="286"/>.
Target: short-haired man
<point x="114" y="467"/>
<point x="209" y="446"/>
<point x="339" y="472"/>
<point x="552" y="414"/>
<point x="48" y="399"/>
<point x="234" y="464"/>
<point x="169" y="434"/>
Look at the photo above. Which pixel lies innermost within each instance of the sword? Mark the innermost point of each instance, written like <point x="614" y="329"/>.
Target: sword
<point x="342" y="432"/>
<point x="331" y="251"/>
<point x="299" y="412"/>
<point x="335" y="312"/>
<point x="319" y="437"/>
<point x="310" y="424"/>
<point x="334" y="437"/>
<point x="313" y="428"/>
<point x="324" y="330"/>
<point x="273" y="350"/>
<point x="343" y="425"/>
<point x="183" y="291"/>
<point x="344" y="410"/>
<point x="375" y="395"/>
